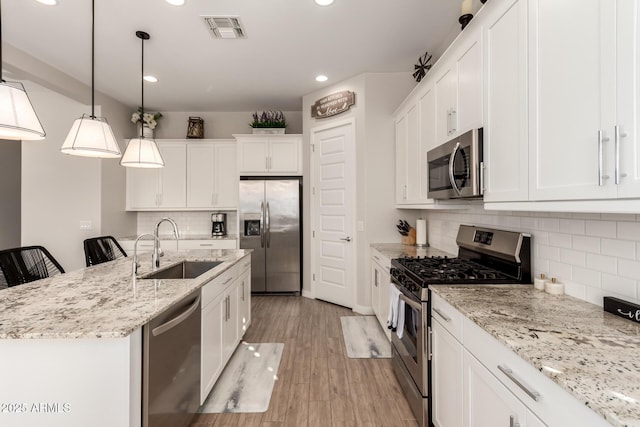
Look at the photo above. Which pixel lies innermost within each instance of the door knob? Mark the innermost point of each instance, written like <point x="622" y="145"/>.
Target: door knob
<point x="346" y="239"/>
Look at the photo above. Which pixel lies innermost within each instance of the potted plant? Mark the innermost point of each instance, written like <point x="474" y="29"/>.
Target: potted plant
<point x="271" y="122"/>
<point x="148" y="121"/>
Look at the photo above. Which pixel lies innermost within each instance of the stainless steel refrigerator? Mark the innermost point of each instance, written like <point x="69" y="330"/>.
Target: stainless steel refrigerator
<point x="269" y="216"/>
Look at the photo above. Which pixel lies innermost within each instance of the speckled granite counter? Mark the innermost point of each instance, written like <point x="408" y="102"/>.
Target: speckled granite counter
<point x="102" y="301"/>
<point x="398" y="250"/>
<point x="185" y="237"/>
<point x="594" y="354"/>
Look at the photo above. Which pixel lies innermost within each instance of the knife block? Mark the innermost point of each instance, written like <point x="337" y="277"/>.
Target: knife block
<point x="410" y="239"/>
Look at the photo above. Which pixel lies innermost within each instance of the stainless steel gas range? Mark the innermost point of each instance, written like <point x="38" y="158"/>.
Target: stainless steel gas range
<point x="485" y="256"/>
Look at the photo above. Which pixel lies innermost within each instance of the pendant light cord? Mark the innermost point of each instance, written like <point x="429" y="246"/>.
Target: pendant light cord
<point x="142" y="76"/>
<point x="1" y="79"/>
<point x="93" y="60"/>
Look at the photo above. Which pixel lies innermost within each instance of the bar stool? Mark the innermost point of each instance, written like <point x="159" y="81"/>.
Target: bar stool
<point x="102" y="249"/>
<point x="26" y="264"/>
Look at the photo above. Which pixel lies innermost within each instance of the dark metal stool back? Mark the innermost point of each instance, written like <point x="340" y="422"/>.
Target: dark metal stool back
<point x="26" y="264"/>
<point x="102" y="249"/>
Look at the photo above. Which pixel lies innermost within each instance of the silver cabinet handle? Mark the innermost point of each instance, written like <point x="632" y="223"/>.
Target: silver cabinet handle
<point x="616" y="176"/>
<point x="266" y="163"/>
<point x="268" y="226"/>
<point x="454" y="119"/>
<point x="346" y="239"/>
<point x="205" y="244"/>
<point x="376" y="257"/>
<point x="441" y="314"/>
<point x="449" y="121"/>
<point x="452" y="159"/>
<point x="429" y="341"/>
<point x="509" y="373"/>
<point x="261" y="224"/>
<point x="482" y="171"/>
<point x="513" y="422"/>
<point x="601" y="140"/>
<point x="228" y="280"/>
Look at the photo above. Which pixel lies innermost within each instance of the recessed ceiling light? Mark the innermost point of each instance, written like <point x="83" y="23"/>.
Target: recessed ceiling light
<point x="324" y="2"/>
<point x="175" y="2"/>
<point x="321" y="78"/>
<point x="48" y="2"/>
<point x="151" y="79"/>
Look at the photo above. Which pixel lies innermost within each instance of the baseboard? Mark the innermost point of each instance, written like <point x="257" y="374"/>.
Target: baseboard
<point x="362" y="309"/>
<point x="308" y="294"/>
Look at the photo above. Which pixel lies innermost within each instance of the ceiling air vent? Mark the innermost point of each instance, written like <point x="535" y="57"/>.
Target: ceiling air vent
<point x="225" y="27"/>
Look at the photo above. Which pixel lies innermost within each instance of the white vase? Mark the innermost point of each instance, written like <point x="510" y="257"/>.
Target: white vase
<point x="147" y="132"/>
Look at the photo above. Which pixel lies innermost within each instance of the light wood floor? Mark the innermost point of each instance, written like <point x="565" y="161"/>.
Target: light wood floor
<point x="318" y="385"/>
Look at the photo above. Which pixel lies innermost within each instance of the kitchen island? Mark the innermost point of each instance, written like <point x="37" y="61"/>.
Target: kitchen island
<point x="71" y="346"/>
<point x="589" y="353"/>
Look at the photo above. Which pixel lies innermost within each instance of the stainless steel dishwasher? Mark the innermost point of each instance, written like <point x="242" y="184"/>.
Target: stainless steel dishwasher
<point x="171" y="365"/>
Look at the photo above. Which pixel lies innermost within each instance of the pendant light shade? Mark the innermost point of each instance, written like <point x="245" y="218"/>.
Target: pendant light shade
<point x="18" y="119"/>
<point x="91" y="136"/>
<point x="142" y="152"/>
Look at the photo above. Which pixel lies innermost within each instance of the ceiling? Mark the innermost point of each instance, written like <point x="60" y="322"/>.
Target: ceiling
<point x="288" y="43"/>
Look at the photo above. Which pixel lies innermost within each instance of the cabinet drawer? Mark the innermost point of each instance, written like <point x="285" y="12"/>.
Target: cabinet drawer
<point x="534" y="389"/>
<point x="185" y="245"/>
<point x="449" y="317"/>
<point x="146" y="246"/>
<point x="218" y="285"/>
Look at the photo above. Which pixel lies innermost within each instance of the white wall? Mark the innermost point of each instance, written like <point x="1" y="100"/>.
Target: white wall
<point x="189" y="223"/>
<point x="218" y="125"/>
<point x="377" y="96"/>
<point x="10" y="159"/>
<point x="594" y="255"/>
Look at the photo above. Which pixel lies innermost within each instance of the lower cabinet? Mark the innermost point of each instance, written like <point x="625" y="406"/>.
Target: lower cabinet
<point x="225" y="307"/>
<point x="446" y="378"/>
<point x="380" y="280"/>
<point x="207" y="244"/>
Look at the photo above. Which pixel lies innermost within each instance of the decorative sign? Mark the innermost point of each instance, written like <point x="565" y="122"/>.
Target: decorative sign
<point x="628" y="310"/>
<point x="333" y="104"/>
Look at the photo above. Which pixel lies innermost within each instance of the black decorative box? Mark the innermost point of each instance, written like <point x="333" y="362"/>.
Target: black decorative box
<point x="624" y="309"/>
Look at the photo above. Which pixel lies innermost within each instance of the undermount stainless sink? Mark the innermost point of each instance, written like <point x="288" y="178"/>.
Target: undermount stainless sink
<point x="184" y="270"/>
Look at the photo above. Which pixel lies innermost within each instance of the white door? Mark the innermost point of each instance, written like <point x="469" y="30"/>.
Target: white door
<point x="333" y="201"/>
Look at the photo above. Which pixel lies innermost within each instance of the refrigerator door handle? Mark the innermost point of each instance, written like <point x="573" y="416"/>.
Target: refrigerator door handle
<point x="262" y="224"/>
<point x="268" y="226"/>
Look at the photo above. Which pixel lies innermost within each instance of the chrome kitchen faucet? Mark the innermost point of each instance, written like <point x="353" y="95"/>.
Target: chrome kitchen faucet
<point x="157" y="250"/>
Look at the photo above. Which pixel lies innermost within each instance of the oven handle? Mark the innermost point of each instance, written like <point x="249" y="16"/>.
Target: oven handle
<point x="413" y="304"/>
<point x="452" y="159"/>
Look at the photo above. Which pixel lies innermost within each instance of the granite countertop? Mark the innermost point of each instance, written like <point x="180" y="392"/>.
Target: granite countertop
<point x="593" y="354"/>
<point x="102" y="301"/>
<point x="398" y="250"/>
<point x="184" y="237"/>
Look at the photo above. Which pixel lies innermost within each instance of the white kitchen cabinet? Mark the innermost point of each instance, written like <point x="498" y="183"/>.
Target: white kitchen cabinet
<point x="272" y="154"/>
<point x="211" y="345"/>
<point x="380" y="279"/>
<point x="229" y="305"/>
<point x="446" y="382"/>
<point x="212" y="174"/>
<point x="573" y="103"/>
<point x="506" y="114"/>
<point x="407" y="155"/>
<point x="244" y="297"/>
<point x="427" y="140"/>
<point x="185" y="245"/>
<point x="446" y="98"/>
<point x="160" y="189"/>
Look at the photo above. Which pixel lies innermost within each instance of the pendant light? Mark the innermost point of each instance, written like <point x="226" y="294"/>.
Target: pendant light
<point x="91" y="136"/>
<point x="18" y="119"/>
<point x="142" y="152"/>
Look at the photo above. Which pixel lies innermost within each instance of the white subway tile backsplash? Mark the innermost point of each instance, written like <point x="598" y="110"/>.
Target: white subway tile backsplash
<point x="576" y="290"/>
<point x="630" y="269"/>
<point x="617" y="217"/>
<point x="560" y="240"/>
<point x="587" y="244"/>
<point x="629" y="231"/>
<point x="562" y="272"/>
<point x="618" y="248"/>
<point x="549" y="224"/>
<point x="529" y="223"/>
<point x="572" y="226"/>
<point x="587" y="277"/>
<point x="601" y="228"/>
<point x="586" y="215"/>
<point x="606" y="264"/>
<point x="620" y="285"/>
<point x="572" y="257"/>
<point x="548" y="252"/>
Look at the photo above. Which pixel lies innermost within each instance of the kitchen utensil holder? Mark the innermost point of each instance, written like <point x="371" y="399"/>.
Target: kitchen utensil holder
<point x="410" y="239"/>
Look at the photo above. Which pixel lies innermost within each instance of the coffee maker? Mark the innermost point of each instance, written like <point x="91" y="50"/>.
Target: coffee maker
<point x="218" y="224"/>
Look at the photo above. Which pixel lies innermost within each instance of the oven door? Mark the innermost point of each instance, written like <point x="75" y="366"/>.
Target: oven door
<point x="454" y="167"/>
<point x="411" y="348"/>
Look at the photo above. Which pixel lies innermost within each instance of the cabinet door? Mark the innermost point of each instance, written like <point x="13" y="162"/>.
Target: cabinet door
<point x="487" y="402"/>
<point x="468" y="114"/>
<point x="572" y="87"/>
<point x="375" y="290"/>
<point x="628" y="96"/>
<point x="173" y="176"/>
<point x="402" y="145"/>
<point x="505" y="131"/>
<point x="445" y="104"/>
<point x="284" y="155"/>
<point x="412" y="162"/>
<point x="226" y="176"/>
<point x="201" y="175"/>
<point x="244" y="303"/>
<point x="383" y="298"/>
<point x="252" y="155"/>
<point x="229" y="321"/>
<point x="428" y="140"/>
<point x="211" y="341"/>
<point x="447" y="378"/>
<point x="142" y="188"/>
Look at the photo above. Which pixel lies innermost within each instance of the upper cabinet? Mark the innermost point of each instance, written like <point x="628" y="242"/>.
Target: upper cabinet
<point x="269" y="154"/>
<point x="212" y="175"/>
<point x="505" y="116"/>
<point x="583" y="140"/>
<point x="163" y="188"/>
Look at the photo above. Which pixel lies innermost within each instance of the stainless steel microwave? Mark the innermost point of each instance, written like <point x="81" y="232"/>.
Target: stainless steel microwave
<point x="455" y="167"/>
